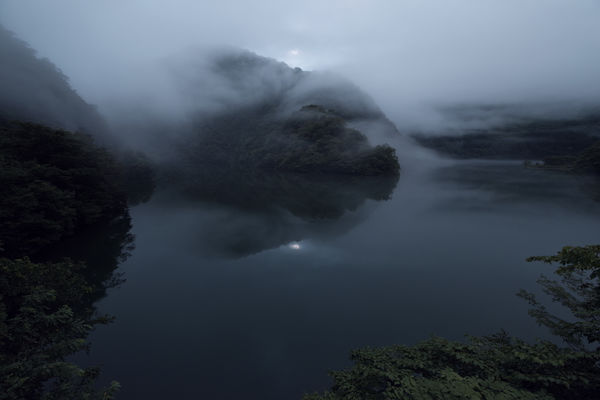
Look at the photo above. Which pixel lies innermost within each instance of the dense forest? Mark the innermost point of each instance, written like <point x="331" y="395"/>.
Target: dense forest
<point x="55" y="184"/>
<point x="311" y="140"/>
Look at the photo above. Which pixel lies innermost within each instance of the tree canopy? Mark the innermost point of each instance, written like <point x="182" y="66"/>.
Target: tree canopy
<point x="41" y="323"/>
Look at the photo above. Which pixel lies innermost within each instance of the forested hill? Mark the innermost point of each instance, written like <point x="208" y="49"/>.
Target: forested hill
<point x="311" y="140"/>
<point x="226" y="79"/>
<point x="54" y="183"/>
<point x="35" y="90"/>
<point x="532" y="139"/>
<point x="248" y="111"/>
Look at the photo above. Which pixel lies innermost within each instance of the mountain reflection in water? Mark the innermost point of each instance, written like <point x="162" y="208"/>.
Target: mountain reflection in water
<point x="253" y="212"/>
<point x="493" y="185"/>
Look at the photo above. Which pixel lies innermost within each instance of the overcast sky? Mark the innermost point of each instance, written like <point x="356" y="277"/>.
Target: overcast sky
<point x="404" y="53"/>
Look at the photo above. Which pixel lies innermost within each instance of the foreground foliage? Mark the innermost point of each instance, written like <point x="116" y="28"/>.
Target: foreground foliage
<point x="41" y="323"/>
<point x="578" y="290"/>
<point x="498" y="366"/>
<point x="494" y="367"/>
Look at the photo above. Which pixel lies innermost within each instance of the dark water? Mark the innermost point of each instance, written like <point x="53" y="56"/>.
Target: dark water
<point x="255" y="288"/>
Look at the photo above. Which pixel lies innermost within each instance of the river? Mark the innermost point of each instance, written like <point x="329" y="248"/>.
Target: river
<point x="256" y="293"/>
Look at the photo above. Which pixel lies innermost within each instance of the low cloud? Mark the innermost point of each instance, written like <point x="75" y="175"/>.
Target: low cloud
<point x="413" y="57"/>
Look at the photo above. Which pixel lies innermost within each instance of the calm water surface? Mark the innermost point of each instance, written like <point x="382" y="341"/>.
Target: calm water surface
<point x="255" y="290"/>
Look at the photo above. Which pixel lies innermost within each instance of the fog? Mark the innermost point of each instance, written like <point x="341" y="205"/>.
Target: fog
<point x="412" y="57"/>
<point x="34" y="89"/>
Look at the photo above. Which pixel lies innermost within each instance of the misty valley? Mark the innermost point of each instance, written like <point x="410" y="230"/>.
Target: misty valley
<point x="262" y="231"/>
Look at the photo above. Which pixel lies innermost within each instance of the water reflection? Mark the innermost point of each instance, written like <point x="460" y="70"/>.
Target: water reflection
<point x="102" y="247"/>
<point x="239" y="214"/>
<point x="488" y="185"/>
<point x="418" y="265"/>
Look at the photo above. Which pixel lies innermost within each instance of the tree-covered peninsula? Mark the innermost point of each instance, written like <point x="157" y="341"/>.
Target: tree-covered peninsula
<point x="311" y="140"/>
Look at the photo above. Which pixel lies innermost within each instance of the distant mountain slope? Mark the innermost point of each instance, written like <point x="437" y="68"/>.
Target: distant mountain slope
<point x="35" y="90"/>
<point x="248" y="111"/>
<point x="223" y="79"/>
<point x="534" y="139"/>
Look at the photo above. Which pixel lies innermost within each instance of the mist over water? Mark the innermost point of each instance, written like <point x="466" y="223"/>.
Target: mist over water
<point x="268" y="279"/>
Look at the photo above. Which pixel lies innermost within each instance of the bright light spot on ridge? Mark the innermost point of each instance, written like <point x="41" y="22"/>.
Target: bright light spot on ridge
<point x="295" y="246"/>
